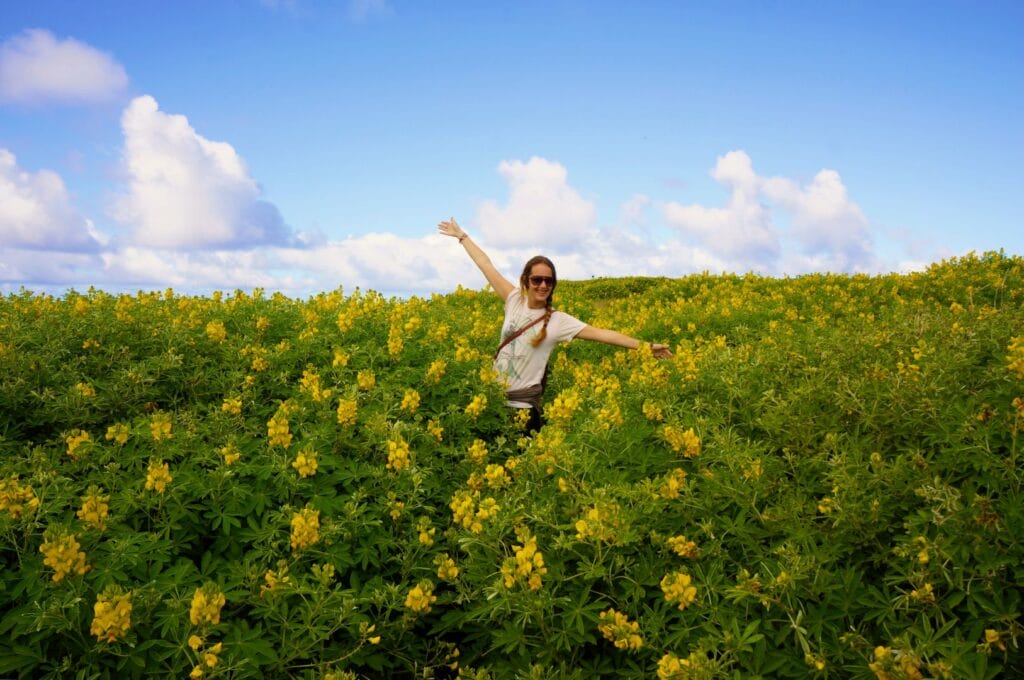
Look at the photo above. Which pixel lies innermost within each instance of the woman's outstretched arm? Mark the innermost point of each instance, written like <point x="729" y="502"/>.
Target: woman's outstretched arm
<point x="499" y="283"/>
<point x="621" y="340"/>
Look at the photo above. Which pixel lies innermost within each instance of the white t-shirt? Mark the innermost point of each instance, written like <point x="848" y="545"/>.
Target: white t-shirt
<point x="519" y="363"/>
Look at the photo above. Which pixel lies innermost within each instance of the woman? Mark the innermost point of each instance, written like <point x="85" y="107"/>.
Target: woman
<point x="532" y="328"/>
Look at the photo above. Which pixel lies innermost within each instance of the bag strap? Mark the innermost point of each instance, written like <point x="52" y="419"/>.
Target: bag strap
<point x="513" y="336"/>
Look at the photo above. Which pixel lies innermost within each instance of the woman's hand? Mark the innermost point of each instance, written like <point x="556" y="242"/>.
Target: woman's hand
<point x="661" y="351"/>
<point x="450" y="227"/>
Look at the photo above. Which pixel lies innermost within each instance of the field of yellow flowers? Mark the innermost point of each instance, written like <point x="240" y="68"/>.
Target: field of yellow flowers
<point x="825" y="481"/>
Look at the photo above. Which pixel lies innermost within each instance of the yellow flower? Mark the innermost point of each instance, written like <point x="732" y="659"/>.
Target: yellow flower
<point x="232" y="405"/>
<point x="195" y="642"/>
<point x="435" y="430"/>
<point x="305" y="462"/>
<point x="75" y="440"/>
<point x="674" y="481"/>
<point x="272" y="579"/>
<point x="210" y="659"/>
<point x="994" y="639"/>
<point x="398" y="454"/>
<point x="112" y="614"/>
<point x="15" y="498"/>
<point x="197" y="672"/>
<point x="216" y="332"/>
<point x="230" y="454"/>
<point x="678" y="589"/>
<point x="653" y="411"/>
<point x="160" y="427"/>
<point x="436" y="371"/>
<point x="366" y="380"/>
<point x="527" y="565"/>
<point x="410" y="401"/>
<point x="618" y="629"/>
<point x="340" y="359"/>
<point x="682" y="441"/>
<point x="447" y="570"/>
<point x="564" y="406"/>
<point x="62" y="554"/>
<point x="118" y="433"/>
<point x="305" y="529"/>
<point x="420" y="597"/>
<point x="86" y="390"/>
<point x="158" y="476"/>
<point x="683" y="546"/>
<point x="207" y="602"/>
<point x="95" y="509"/>
<point x="476" y="406"/>
<point x="278" y="432"/>
<point x="347" y="409"/>
<point x="478" y="451"/>
<point x="426" y="532"/>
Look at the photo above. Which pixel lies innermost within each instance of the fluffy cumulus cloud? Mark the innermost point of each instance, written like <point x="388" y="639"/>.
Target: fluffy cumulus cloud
<point x="826" y="229"/>
<point x="36" y="212"/>
<point x="188" y="192"/>
<point x="37" y="67"/>
<point x="542" y="209"/>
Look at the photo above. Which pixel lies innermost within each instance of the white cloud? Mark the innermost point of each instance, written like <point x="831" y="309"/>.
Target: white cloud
<point x="741" y="232"/>
<point x="36" y="67"/>
<point x="634" y="211"/>
<point x="187" y="192"/>
<point x="542" y="210"/>
<point x="826" y="228"/>
<point x="824" y="219"/>
<point x="36" y="211"/>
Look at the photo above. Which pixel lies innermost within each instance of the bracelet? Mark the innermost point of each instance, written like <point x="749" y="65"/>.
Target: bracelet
<point x="462" y="237"/>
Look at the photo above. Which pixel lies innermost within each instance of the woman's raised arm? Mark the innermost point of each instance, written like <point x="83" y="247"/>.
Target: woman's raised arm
<point x="499" y="283"/>
<point x="618" y="339"/>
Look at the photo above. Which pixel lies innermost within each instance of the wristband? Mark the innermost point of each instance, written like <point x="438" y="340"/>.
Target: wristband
<point x="462" y="237"/>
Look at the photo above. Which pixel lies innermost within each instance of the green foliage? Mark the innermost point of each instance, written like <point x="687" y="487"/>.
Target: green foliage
<point x="824" y="481"/>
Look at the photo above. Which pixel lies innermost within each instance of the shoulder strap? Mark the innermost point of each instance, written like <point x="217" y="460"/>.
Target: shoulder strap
<point x="513" y="336"/>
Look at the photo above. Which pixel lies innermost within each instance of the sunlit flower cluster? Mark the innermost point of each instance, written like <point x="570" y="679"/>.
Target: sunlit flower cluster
<point x="347" y="412"/>
<point x="230" y="453"/>
<point x="1015" y="357"/>
<point x="311" y="385"/>
<point x="564" y="406"/>
<point x="478" y="451"/>
<point x="62" y="554"/>
<point x="679" y="589"/>
<point x="117" y="433"/>
<point x="476" y="406"/>
<point x="160" y="427"/>
<point x="398" y="454"/>
<point x="278" y="432"/>
<point x="207" y="602"/>
<point x="421" y="597"/>
<point x="683" y="546"/>
<point x="527" y="565"/>
<point x="425" y="531"/>
<point x="305" y="528"/>
<point x="232" y="406"/>
<point x="366" y="380"/>
<point x="272" y="580"/>
<point x="436" y="371"/>
<point x="216" y="331"/>
<point x="682" y="441"/>
<point x="158" y="476"/>
<point x="75" y="440"/>
<point x="674" y="481"/>
<point x="305" y="462"/>
<point x="435" y="429"/>
<point x="410" y="401"/>
<point x="619" y="630"/>
<point x="86" y="390"/>
<point x="95" y="509"/>
<point x="15" y="498"/>
<point x="112" y="614"/>
<point x="672" y="667"/>
<point x="895" y="664"/>
<point x="600" y="522"/>
<point x="467" y="512"/>
<point x="447" y="570"/>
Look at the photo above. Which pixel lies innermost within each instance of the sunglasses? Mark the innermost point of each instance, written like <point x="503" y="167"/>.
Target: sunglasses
<point x="549" y="281"/>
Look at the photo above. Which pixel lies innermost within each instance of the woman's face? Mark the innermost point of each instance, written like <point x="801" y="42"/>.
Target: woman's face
<point x="539" y="285"/>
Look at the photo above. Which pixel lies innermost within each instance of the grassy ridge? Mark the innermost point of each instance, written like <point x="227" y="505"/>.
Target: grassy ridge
<point x="825" y="480"/>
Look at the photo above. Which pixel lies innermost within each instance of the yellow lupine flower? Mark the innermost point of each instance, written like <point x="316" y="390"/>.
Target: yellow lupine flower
<point x="158" y="476"/>
<point x="682" y="441"/>
<point x="410" y="401"/>
<point x="478" y="451"/>
<point x="75" y="440"/>
<point x="15" y="498"/>
<point x="618" y="629"/>
<point x="62" y="554"/>
<point x="278" y="433"/>
<point x="679" y="589"/>
<point x="86" y="390"/>
<point x="435" y="429"/>
<point x="305" y="528"/>
<point x="683" y="547"/>
<point x="476" y="406"/>
<point x="207" y="602"/>
<point x="112" y="614"/>
<point x="232" y="405"/>
<point x="216" y="332"/>
<point x="447" y="570"/>
<point x="366" y="380"/>
<point x="195" y="642"/>
<point x="347" y="410"/>
<point x="564" y="406"/>
<point x="118" y="433"/>
<point x="95" y="509"/>
<point x="305" y="462"/>
<point x="674" y="482"/>
<point x="160" y="427"/>
<point x="230" y="453"/>
<point x="398" y="454"/>
<point x="421" y="597"/>
<point x="272" y="579"/>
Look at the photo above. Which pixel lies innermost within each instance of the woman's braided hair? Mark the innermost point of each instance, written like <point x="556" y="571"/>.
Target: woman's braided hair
<point x="524" y="282"/>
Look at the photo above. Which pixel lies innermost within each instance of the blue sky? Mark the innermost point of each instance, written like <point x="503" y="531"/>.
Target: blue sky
<point x="301" y="146"/>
